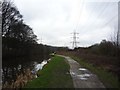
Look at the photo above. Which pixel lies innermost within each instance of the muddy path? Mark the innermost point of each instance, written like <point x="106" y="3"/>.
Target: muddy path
<point x="82" y="77"/>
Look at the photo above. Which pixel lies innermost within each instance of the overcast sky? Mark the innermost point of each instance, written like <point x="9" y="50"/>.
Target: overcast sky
<point x="55" y="20"/>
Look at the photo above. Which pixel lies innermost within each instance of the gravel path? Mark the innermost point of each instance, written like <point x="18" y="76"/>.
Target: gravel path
<point x="82" y="77"/>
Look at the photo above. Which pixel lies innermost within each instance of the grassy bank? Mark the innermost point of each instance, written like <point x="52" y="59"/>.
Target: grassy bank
<point x="108" y="79"/>
<point x="53" y="75"/>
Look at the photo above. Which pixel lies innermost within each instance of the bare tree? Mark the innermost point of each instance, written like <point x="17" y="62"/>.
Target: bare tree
<point x="13" y="25"/>
<point x="10" y="16"/>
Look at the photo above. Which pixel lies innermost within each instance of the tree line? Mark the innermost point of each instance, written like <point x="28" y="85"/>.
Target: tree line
<point x="18" y="38"/>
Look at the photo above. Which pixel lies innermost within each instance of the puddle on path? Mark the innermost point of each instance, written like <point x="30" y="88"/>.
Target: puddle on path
<point x="84" y="76"/>
<point x="72" y="73"/>
<point x="82" y="69"/>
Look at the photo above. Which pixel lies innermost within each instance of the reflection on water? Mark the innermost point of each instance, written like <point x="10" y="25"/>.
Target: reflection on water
<point x="39" y="66"/>
<point x="84" y="76"/>
<point x="72" y="73"/>
<point x="10" y="74"/>
<point x="81" y="74"/>
<point x="82" y="69"/>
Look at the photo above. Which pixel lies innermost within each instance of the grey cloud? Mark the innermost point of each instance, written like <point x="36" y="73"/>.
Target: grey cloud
<point x="54" y="20"/>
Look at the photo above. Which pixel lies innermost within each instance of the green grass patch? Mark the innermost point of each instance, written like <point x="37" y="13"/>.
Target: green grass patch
<point x="108" y="79"/>
<point x="53" y="75"/>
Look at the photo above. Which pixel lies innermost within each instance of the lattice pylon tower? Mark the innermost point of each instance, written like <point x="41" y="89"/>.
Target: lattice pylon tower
<point x="74" y="42"/>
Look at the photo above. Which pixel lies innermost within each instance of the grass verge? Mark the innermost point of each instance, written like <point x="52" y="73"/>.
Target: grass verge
<point x="108" y="79"/>
<point x="53" y="75"/>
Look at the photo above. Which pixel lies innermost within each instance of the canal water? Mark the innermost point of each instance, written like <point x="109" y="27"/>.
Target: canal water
<point x="11" y="70"/>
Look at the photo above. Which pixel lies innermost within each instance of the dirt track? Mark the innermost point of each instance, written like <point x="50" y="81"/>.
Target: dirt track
<point x="82" y="78"/>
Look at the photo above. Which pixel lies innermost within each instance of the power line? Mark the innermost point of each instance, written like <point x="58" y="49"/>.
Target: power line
<point x="99" y="15"/>
<point x="80" y="13"/>
<point x="74" y="42"/>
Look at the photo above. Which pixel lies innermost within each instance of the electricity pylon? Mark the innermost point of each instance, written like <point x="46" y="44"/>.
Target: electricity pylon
<point x="74" y="42"/>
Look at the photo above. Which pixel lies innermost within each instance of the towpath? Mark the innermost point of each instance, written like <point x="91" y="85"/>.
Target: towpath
<point x="82" y="77"/>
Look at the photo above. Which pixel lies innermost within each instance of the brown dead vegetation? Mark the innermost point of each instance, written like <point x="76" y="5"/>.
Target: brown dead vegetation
<point x="21" y="80"/>
<point x="108" y="63"/>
